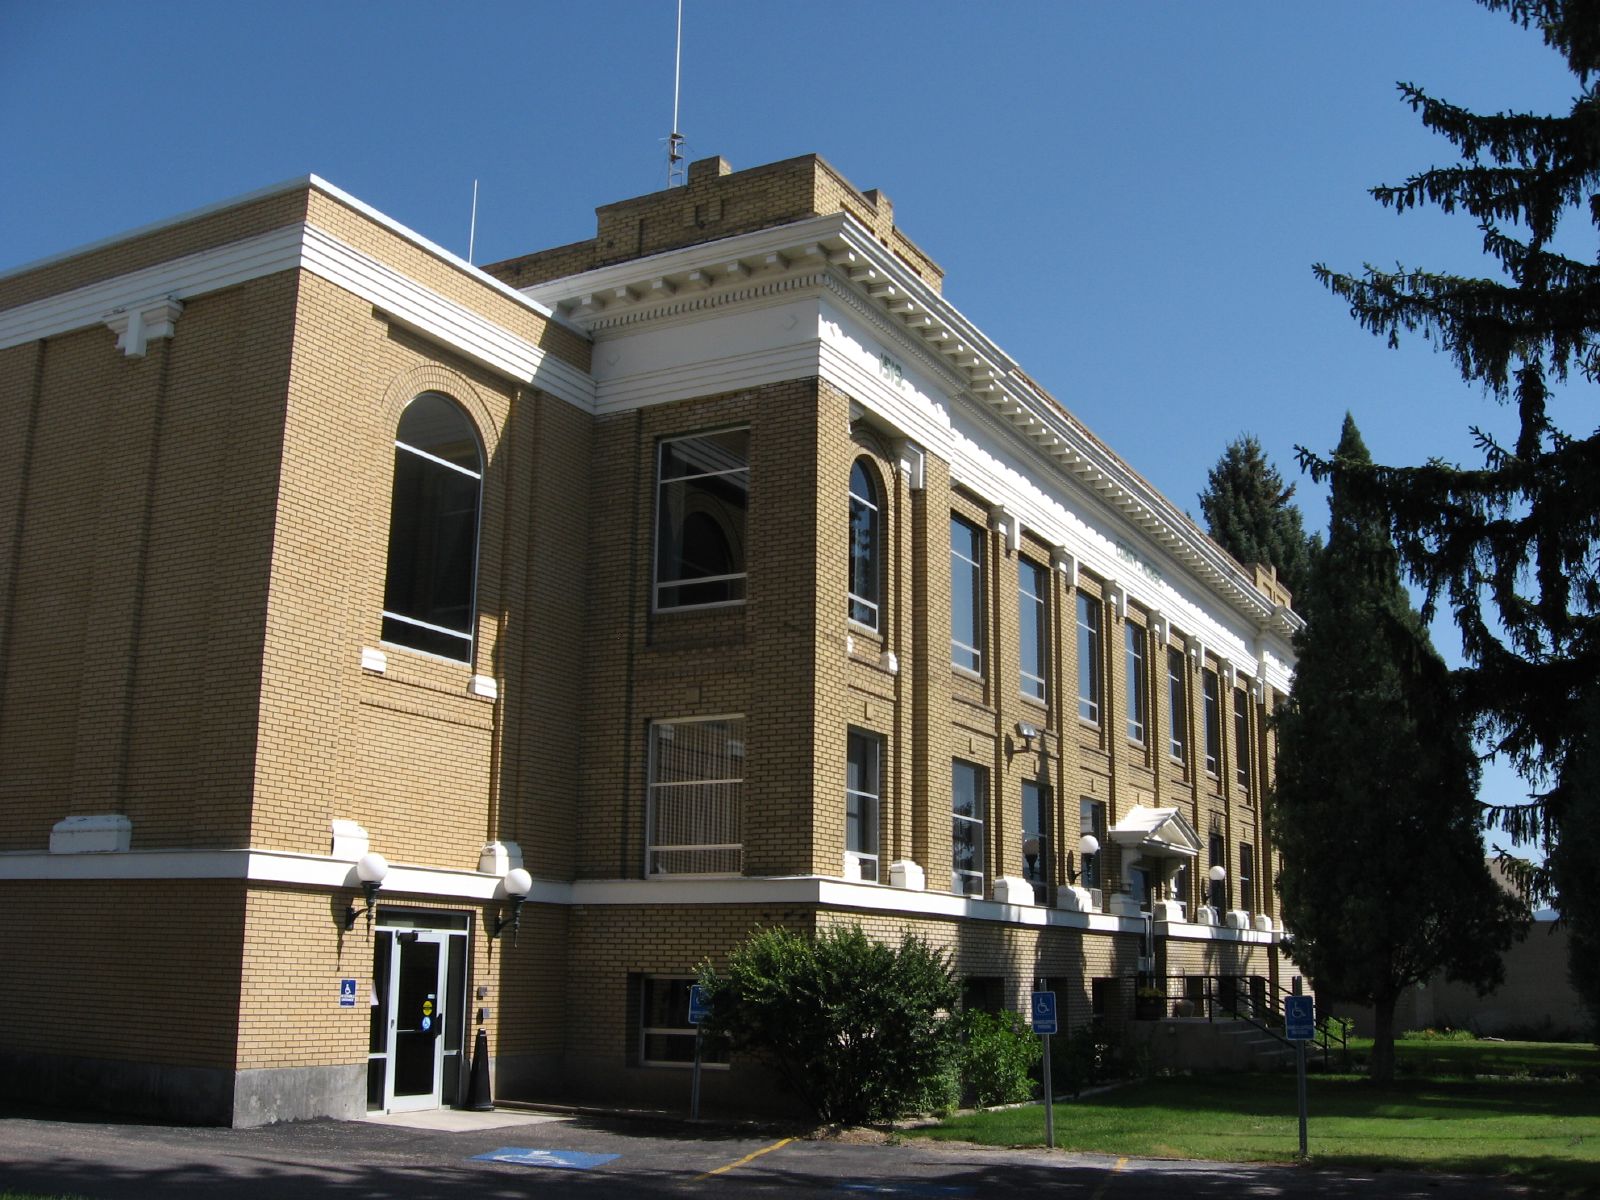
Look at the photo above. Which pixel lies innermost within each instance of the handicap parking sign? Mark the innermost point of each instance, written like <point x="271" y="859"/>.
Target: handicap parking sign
<point x="347" y="993"/>
<point x="1299" y="1018"/>
<point x="1044" y="1012"/>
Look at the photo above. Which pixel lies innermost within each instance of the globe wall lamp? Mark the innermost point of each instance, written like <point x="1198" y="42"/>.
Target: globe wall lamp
<point x="1088" y="847"/>
<point x="370" y="870"/>
<point x="518" y="884"/>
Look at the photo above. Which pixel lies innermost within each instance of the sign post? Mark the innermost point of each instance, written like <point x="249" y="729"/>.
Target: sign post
<point x="699" y="1010"/>
<point x="1044" y="1024"/>
<point x="1300" y="1026"/>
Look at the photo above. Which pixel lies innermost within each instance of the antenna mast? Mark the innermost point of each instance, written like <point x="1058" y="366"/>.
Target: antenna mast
<point x="675" y="168"/>
<point x="472" y="229"/>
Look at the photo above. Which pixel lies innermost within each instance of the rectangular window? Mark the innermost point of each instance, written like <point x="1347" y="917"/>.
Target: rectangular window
<point x="969" y="790"/>
<point x="666" y="1039"/>
<point x="702" y="491"/>
<point x="1103" y="995"/>
<point x="1180" y="886"/>
<point x="696" y="797"/>
<point x="966" y="595"/>
<point x="1218" y="890"/>
<point x="1088" y="657"/>
<point x="1177" y="707"/>
<point x="862" y="790"/>
<point x="1241" y="738"/>
<point x="1092" y="820"/>
<point x="1134" y="663"/>
<point x="1032" y="627"/>
<point x="1247" y="872"/>
<point x="1035" y="837"/>
<point x="1213" y="720"/>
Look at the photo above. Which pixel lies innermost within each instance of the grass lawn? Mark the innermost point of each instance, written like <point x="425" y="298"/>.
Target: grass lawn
<point x="1540" y="1130"/>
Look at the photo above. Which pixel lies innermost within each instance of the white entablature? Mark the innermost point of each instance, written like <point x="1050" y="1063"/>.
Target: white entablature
<point x="836" y="257"/>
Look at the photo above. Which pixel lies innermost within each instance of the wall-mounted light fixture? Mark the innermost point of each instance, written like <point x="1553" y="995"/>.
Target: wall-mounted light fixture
<point x="370" y="870"/>
<point x="518" y="884"/>
<point x="1218" y="876"/>
<point x="1026" y="732"/>
<point x="1088" y="847"/>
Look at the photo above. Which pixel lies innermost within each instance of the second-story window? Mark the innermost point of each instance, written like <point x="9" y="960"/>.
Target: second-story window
<point x="966" y="595"/>
<point x="969" y="803"/>
<point x="1213" y="720"/>
<point x="1089" y="689"/>
<point x="1035" y="838"/>
<point x="1032" y="627"/>
<point x="428" y="601"/>
<point x="1134" y="654"/>
<point x="1241" y="738"/>
<point x="703" y="488"/>
<point x="862" y="790"/>
<point x="1247" y="873"/>
<point x="1177" y="707"/>
<point x="1092" y="820"/>
<point x="1217" y="892"/>
<point x="866" y="546"/>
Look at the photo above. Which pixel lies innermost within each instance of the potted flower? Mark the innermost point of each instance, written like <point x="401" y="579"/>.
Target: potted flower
<point x="1148" y="1002"/>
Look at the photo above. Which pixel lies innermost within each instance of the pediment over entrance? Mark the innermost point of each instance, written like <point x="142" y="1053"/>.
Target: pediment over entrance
<point x="1156" y="833"/>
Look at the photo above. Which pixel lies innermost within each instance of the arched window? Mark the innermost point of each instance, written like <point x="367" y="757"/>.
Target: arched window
<point x="433" y="529"/>
<point x="866" y="546"/>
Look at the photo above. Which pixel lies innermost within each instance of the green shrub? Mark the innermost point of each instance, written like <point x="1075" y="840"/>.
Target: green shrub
<point x="1438" y="1035"/>
<point x="998" y="1053"/>
<point x="1084" y="1057"/>
<point x="859" y="1030"/>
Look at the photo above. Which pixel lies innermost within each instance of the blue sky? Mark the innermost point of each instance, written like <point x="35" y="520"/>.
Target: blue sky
<point x="1127" y="197"/>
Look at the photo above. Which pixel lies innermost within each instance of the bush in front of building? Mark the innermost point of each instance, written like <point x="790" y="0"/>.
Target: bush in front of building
<point x="860" y="1030"/>
<point x="998" y="1054"/>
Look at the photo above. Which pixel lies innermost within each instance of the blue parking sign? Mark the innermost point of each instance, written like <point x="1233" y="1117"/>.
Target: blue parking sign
<point x="1299" y="1018"/>
<point x="1044" y="1012"/>
<point x="347" y="993"/>
<point x="699" y="1004"/>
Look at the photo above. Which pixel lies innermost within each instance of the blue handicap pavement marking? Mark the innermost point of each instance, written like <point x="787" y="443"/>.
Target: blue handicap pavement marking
<point x="902" y="1187"/>
<point x="564" y="1160"/>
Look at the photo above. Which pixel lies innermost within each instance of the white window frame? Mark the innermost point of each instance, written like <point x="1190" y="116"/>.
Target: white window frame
<point x="648" y="1031"/>
<point x="973" y="652"/>
<point x="867" y="862"/>
<point x="1134" y="666"/>
<point x="1091" y="648"/>
<point x="657" y="585"/>
<point x="870" y="604"/>
<point x="960" y="879"/>
<point x="1034" y="683"/>
<point x="655" y="790"/>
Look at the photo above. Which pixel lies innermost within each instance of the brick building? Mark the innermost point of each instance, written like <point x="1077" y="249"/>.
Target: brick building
<point x="712" y="573"/>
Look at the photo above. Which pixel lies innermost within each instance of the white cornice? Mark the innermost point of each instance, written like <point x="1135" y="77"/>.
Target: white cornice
<point x="932" y="332"/>
<point x="422" y="883"/>
<point x="306" y="247"/>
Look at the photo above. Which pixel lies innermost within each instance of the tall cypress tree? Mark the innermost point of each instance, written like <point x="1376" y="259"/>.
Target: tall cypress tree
<point x="1375" y="809"/>
<point x="1249" y="513"/>
<point x="1513" y="546"/>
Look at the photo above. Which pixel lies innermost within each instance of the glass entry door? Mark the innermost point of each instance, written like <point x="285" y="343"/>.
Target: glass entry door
<point x="416" y="1020"/>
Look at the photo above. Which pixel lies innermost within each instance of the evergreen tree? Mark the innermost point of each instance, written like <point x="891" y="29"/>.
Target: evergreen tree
<point x="1249" y="514"/>
<point x="1375" y="809"/>
<point x="1513" y="546"/>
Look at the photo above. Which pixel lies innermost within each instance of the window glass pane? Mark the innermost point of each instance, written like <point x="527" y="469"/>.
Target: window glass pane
<point x="966" y="595"/>
<point x="969" y="789"/>
<point x="1091" y="819"/>
<point x="702" y="495"/>
<point x="861" y="801"/>
<point x="1088" y="657"/>
<point x="1035" y="838"/>
<point x="1241" y="738"/>
<point x="1217" y="890"/>
<point x="1247" y="871"/>
<point x="864" y="546"/>
<point x="1031" y="626"/>
<point x="696" y="797"/>
<point x="1177" y="709"/>
<point x="665" y="1036"/>
<point x="1134" y="669"/>
<point x="1213" y="728"/>
<point x="428" y="601"/>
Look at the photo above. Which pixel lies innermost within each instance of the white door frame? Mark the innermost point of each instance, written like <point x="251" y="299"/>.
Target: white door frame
<point x="410" y="1022"/>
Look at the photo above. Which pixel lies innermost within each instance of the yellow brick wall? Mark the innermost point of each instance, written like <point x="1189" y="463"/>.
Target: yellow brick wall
<point x="148" y="972"/>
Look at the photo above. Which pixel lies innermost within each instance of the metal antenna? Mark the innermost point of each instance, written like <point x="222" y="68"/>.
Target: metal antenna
<point x="675" y="168"/>
<point x="472" y="230"/>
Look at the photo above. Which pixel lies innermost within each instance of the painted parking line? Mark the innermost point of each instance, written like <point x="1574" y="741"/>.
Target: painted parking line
<point x="739" y="1162"/>
<point x="1106" y="1182"/>
<point x="561" y="1160"/>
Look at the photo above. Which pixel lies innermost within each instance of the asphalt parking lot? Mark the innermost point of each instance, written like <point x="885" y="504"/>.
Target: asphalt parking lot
<point x="504" y="1154"/>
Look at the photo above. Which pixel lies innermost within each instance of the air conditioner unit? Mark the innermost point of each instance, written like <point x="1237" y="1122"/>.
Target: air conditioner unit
<point x="1097" y="900"/>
